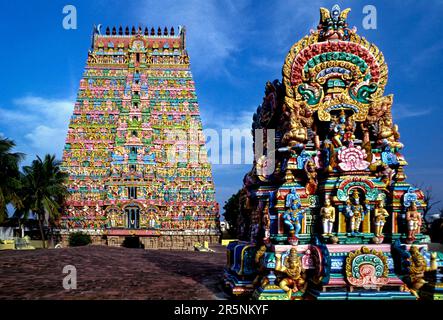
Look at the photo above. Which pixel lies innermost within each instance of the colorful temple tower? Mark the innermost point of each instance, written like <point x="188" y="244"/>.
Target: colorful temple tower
<point x="327" y="213"/>
<point x="135" y="151"/>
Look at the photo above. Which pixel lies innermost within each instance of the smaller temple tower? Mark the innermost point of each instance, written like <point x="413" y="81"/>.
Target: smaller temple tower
<point x="336" y="219"/>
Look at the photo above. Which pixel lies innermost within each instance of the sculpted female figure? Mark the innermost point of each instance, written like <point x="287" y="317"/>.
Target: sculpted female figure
<point x="413" y="217"/>
<point x="380" y="215"/>
<point x="327" y="214"/>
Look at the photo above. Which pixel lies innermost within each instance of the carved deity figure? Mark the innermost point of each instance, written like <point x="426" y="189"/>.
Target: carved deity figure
<point x="97" y="210"/>
<point x="388" y="133"/>
<point x="293" y="214"/>
<point x="350" y="126"/>
<point x="266" y="223"/>
<point x="380" y="215"/>
<point x="413" y="217"/>
<point x="355" y="212"/>
<point x="296" y="134"/>
<point x="338" y="129"/>
<point x="311" y="173"/>
<point x="294" y="279"/>
<point x="418" y="267"/>
<point x="111" y="219"/>
<point x="384" y="173"/>
<point x="152" y="221"/>
<point x="327" y="214"/>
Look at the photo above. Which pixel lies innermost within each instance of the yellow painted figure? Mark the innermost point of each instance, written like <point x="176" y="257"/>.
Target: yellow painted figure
<point x="294" y="279"/>
<point x="355" y="213"/>
<point x="328" y="217"/>
<point x="414" y="221"/>
<point x="418" y="268"/>
<point x="380" y="215"/>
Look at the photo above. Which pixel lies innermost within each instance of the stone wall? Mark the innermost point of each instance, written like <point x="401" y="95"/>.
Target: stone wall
<point x="171" y="242"/>
<point x="178" y="242"/>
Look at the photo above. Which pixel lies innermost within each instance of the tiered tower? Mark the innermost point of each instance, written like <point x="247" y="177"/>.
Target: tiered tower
<point x="336" y="218"/>
<point x="135" y="150"/>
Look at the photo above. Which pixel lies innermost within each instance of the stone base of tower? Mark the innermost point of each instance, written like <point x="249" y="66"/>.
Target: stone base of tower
<point x="332" y="272"/>
<point x="174" y="241"/>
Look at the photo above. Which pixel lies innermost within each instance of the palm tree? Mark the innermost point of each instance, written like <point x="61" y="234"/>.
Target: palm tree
<point x="43" y="190"/>
<point x="9" y="176"/>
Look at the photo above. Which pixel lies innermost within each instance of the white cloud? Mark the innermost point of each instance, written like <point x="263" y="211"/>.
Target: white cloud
<point x="215" y="29"/>
<point x="264" y="62"/>
<point x="401" y="111"/>
<point x="233" y="134"/>
<point x="52" y="109"/>
<point x="47" y="139"/>
<point x="38" y="125"/>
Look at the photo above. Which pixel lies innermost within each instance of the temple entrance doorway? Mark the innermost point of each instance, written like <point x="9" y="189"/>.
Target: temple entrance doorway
<point x="132" y="217"/>
<point x="132" y="242"/>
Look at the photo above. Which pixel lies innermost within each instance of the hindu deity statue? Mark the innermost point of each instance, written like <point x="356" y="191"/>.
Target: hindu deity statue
<point x="355" y="212"/>
<point x="294" y="214"/>
<point x="112" y="219"/>
<point x="294" y="279"/>
<point x="388" y="133"/>
<point x="266" y="223"/>
<point x="337" y="129"/>
<point x="418" y="267"/>
<point x="327" y="214"/>
<point x="152" y="221"/>
<point x="380" y="215"/>
<point x="296" y="134"/>
<point x="311" y="173"/>
<point x="413" y="217"/>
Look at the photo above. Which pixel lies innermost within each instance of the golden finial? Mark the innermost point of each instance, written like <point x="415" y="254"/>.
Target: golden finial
<point x="324" y="14"/>
<point x="344" y="13"/>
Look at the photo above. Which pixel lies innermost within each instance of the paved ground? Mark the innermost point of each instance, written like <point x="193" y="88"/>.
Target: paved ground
<point x="115" y="273"/>
<point x="112" y="273"/>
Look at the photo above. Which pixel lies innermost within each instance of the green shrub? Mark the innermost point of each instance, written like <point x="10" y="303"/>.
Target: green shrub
<point x="78" y="239"/>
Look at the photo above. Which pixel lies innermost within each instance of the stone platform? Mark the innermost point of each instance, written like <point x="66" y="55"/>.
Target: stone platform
<point x="105" y="272"/>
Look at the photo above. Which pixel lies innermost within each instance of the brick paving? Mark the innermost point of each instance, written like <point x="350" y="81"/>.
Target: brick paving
<point x="112" y="273"/>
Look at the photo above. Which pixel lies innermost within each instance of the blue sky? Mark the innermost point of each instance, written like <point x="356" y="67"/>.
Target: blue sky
<point x="235" y="47"/>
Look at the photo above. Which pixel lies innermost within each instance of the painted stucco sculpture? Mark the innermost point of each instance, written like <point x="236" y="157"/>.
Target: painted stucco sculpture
<point x="338" y="161"/>
<point x="135" y="151"/>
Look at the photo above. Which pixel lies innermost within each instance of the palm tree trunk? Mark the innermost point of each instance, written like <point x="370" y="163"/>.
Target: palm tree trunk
<point x="42" y="233"/>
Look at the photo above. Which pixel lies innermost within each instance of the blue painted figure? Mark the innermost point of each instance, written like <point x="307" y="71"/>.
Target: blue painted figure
<point x="292" y="199"/>
<point x="294" y="214"/>
<point x="355" y="212"/>
<point x="292" y="219"/>
<point x="387" y="156"/>
<point x="302" y="158"/>
<point x="410" y="197"/>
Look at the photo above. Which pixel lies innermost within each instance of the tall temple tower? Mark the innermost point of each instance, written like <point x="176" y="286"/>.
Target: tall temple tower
<point x="336" y="219"/>
<point x="135" y="151"/>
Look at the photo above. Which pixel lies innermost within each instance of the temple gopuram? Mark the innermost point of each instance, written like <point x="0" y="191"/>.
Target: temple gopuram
<point x="334" y="218"/>
<point x="135" y="151"/>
